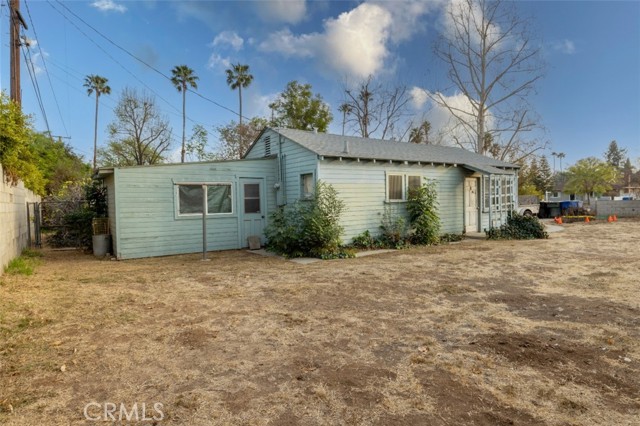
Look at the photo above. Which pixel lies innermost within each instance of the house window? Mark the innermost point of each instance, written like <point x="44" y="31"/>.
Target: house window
<point x="415" y="182"/>
<point x="219" y="199"/>
<point x="486" y="192"/>
<point x="252" y="198"/>
<point x="306" y="185"/>
<point x="395" y="188"/>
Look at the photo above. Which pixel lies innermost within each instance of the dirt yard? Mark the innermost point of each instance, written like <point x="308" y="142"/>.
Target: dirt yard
<point x="474" y="333"/>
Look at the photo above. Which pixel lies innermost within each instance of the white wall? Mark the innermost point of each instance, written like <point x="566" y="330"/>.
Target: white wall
<point x="13" y="219"/>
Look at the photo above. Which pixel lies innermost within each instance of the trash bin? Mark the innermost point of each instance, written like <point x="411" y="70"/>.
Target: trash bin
<point x="101" y="245"/>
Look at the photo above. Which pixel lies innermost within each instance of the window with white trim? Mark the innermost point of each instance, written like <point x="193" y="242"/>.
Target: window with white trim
<point x="395" y="187"/>
<point x="219" y="199"/>
<point x="307" y="185"/>
<point x="399" y="186"/>
<point x="498" y="193"/>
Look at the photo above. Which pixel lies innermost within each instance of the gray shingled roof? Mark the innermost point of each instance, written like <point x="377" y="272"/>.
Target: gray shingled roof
<point x="330" y="145"/>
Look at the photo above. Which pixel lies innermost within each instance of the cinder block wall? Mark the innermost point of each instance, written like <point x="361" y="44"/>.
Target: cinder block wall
<point x="621" y="208"/>
<point x="13" y="219"/>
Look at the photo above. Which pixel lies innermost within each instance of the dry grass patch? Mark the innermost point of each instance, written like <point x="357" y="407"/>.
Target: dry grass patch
<point x="481" y="332"/>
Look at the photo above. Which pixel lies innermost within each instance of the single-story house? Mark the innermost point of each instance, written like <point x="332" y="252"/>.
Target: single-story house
<point x="157" y="210"/>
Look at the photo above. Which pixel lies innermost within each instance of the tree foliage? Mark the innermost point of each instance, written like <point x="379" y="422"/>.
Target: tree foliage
<point x="494" y="63"/>
<point x="544" y="178"/>
<point x="615" y="155"/>
<point x="238" y="77"/>
<point x="139" y="134"/>
<point x="591" y="176"/>
<point x="235" y="139"/>
<point x="375" y="110"/>
<point x="298" y="108"/>
<point x="16" y="153"/>
<point x="58" y="163"/>
<point x="196" y="147"/>
<point x="420" y="134"/>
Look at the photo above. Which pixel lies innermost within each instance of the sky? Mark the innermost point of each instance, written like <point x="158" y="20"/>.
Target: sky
<point x="589" y="95"/>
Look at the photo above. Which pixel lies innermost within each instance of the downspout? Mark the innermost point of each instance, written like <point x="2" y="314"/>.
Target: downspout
<point x="490" y="201"/>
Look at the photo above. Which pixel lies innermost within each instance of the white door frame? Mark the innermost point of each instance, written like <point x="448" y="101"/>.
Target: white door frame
<point x="471" y="213"/>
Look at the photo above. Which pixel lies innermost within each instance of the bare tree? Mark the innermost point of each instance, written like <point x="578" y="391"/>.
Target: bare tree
<point x="139" y="134"/>
<point x="493" y="61"/>
<point x="375" y="110"/>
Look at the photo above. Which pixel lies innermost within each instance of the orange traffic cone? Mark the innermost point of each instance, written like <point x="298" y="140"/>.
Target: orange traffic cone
<point x="555" y="219"/>
<point x="586" y="219"/>
<point x="559" y="220"/>
<point x="615" y="217"/>
<point x="610" y="219"/>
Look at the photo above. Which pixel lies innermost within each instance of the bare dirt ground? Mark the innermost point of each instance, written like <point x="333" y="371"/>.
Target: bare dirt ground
<point x="475" y="333"/>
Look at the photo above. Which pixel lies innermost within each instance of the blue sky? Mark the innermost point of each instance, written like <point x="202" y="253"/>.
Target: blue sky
<point x="589" y="96"/>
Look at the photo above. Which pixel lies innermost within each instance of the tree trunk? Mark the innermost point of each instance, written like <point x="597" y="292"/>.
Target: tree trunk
<point x="95" y="134"/>
<point x="184" y="95"/>
<point x="240" y="101"/>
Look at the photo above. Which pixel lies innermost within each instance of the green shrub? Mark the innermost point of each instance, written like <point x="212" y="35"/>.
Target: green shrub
<point x="393" y="230"/>
<point x="308" y="227"/>
<point x="423" y="215"/>
<point x="518" y="227"/>
<point x="451" y="238"/>
<point x="365" y="241"/>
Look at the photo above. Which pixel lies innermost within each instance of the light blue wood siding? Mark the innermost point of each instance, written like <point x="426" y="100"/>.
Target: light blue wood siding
<point x="146" y="216"/>
<point x="362" y="186"/>
<point x="293" y="161"/>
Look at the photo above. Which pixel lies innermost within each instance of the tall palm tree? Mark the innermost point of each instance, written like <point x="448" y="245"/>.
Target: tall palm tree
<point x="345" y="109"/>
<point x="97" y="84"/>
<point x="183" y="76"/>
<point x="237" y="78"/>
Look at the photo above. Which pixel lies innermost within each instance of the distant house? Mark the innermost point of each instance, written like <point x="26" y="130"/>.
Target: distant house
<point x="157" y="210"/>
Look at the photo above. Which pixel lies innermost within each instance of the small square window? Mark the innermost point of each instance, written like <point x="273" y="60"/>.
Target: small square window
<point x="306" y="185"/>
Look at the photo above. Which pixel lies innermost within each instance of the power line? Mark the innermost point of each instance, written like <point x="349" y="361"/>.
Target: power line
<point x="142" y="61"/>
<point x="44" y="63"/>
<point x="34" y="82"/>
<point x="112" y="58"/>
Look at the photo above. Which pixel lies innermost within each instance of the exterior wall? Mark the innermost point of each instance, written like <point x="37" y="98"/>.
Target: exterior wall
<point x="13" y="219"/>
<point x="363" y="185"/>
<point x="293" y="161"/>
<point x="621" y="208"/>
<point x="145" y="207"/>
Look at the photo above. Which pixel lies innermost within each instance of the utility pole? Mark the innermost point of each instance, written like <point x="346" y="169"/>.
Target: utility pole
<point x="15" y="20"/>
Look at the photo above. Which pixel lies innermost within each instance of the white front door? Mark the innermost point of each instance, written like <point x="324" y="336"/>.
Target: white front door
<point x="471" y="205"/>
<point x="252" y="206"/>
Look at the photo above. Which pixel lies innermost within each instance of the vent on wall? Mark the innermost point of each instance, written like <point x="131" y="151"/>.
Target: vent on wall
<point x="267" y="146"/>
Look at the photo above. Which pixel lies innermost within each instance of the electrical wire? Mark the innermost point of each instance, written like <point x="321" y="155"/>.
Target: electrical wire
<point x="142" y="61"/>
<point x="44" y="63"/>
<point x="36" y="86"/>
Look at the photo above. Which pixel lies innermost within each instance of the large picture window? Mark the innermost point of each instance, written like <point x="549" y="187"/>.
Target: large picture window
<point x="219" y="199"/>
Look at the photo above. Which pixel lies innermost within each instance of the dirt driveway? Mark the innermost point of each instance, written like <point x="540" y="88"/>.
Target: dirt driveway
<point x="475" y="333"/>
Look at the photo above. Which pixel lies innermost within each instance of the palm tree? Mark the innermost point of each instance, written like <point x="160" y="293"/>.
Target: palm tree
<point x="237" y="78"/>
<point x="345" y="109"/>
<point x="97" y="84"/>
<point x="183" y="76"/>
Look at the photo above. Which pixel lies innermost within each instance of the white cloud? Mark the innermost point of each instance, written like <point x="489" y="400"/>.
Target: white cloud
<point x="108" y="6"/>
<point x="288" y="44"/>
<point x="565" y="46"/>
<point x="419" y="97"/>
<point x="353" y="43"/>
<point x="445" y="127"/>
<point x="218" y="62"/>
<point x="471" y="18"/>
<point x="228" y="38"/>
<point x="358" y="42"/>
<point x="282" y="11"/>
